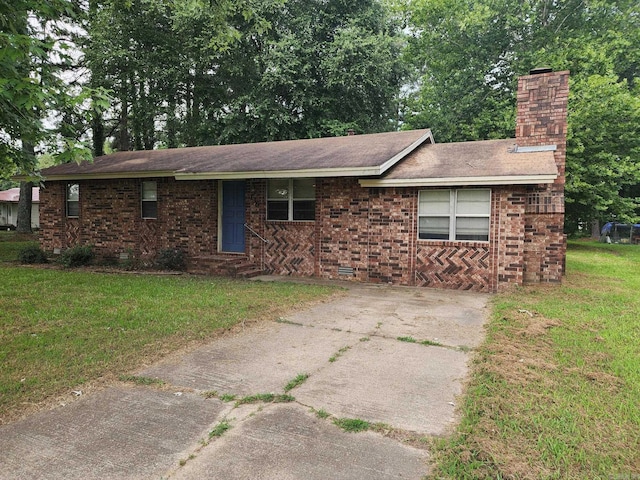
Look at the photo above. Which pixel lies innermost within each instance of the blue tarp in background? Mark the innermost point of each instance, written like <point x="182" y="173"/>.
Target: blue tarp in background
<point x="620" y="233"/>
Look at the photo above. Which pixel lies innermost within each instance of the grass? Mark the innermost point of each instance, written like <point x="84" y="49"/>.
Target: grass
<point x="60" y="329"/>
<point x="219" y="429"/>
<point x="339" y="353"/>
<point x="11" y="243"/>
<point x="140" y="380"/>
<point x="429" y="343"/>
<point x="299" y="380"/>
<point x="556" y="395"/>
<point x="264" y="398"/>
<point x="322" y="413"/>
<point x="352" y="425"/>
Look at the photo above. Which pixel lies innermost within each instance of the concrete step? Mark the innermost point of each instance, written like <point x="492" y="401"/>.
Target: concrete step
<point x="224" y="265"/>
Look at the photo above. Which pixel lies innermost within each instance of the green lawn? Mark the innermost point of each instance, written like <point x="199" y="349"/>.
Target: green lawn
<point x="62" y="329"/>
<point x="555" y="391"/>
<point x="11" y="243"/>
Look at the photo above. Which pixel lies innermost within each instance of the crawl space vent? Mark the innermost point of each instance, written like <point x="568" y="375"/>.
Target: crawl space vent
<point x="345" y="271"/>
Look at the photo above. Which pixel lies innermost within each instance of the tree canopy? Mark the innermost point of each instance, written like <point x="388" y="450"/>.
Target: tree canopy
<point x="469" y="53"/>
<point x="196" y="73"/>
<point x="202" y="72"/>
<point x="36" y="38"/>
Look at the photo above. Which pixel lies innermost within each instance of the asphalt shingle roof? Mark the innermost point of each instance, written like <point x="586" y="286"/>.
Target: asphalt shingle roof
<point x="345" y="153"/>
<point x="381" y="158"/>
<point x="486" y="158"/>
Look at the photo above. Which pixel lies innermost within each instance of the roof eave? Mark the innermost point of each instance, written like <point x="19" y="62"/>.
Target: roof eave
<point x="460" y="181"/>
<point x="303" y="173"/>
<point x="108" y="176"/>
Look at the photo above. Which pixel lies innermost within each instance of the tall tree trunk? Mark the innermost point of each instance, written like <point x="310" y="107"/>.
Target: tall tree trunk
<point x="97" y="127"/>
<point x="23" y="224"/>
<point x="24" y="208"/>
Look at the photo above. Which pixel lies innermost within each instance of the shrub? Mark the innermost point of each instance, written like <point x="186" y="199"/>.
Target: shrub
<point x="77" y="256"/>
<point x="32" y="254"/>
<point x="171" y="259"/>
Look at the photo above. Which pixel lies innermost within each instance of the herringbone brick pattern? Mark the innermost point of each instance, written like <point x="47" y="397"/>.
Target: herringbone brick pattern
<point x="290" y="250"/>
<point x="460" y="267"/>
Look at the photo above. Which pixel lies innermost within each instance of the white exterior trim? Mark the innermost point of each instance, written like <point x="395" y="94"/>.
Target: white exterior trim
<point x="459" y="181"/>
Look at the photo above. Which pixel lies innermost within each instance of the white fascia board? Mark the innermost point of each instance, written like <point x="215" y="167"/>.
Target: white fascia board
<point x="306" y="173"/>
<point x="107" y="176"/>
<point x="399" y="156"/>
<point x="461" y="181"/>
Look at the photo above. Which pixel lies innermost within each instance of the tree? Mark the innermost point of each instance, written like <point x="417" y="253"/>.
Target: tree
<point x="323" y="68"/>
<point x="196" y="73"/>
<point x="35" y="38"/>
<point x="603" y="152"/>
<point x="469" y="54"/>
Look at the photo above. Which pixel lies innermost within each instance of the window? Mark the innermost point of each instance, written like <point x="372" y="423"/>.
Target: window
<point x="291" y="199"/>
<point x="73" y="200"/>
<point x="454" y="214"/>
<point x="149" y="200"/>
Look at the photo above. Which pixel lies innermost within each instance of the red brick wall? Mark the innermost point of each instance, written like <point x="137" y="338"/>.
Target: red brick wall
<point x="392" y="235"/>
<point x="187" y="216"/>
<point x="373" y="231"/>
<point x="290" y="247"/>
<point x="342" y="208"/>
<point x="111" y="218"/>
<point x="52" y="217"/>
<point x="507" y="235"/>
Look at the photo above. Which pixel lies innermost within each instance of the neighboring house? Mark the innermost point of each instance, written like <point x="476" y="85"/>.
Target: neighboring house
<point x="9" y="208"/>
<point x="391" y="207"/>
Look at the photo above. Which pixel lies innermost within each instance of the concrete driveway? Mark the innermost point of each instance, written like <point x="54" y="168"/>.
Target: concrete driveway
<point x="393" y="357"/>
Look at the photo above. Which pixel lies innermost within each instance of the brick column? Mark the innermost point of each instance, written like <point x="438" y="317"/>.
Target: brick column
<point x="542" y="120"/>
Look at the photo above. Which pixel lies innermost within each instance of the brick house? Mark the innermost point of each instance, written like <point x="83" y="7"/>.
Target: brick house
<point x="391" y="207"/>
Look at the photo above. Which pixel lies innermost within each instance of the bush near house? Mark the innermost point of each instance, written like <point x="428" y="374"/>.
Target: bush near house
<point x="77" y="256"/>
<point x="171" y="259"/>
<point x="32" y="254"/>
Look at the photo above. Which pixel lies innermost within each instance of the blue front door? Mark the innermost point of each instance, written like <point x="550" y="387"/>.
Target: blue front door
<point x="233" y="216"/>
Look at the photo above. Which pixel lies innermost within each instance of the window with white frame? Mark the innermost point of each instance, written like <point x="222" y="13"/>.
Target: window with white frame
<point x="454" y="214"/>
<point x="149" y="200"/>
<point x="291" y="199"/>
<point x="73" y="200"/>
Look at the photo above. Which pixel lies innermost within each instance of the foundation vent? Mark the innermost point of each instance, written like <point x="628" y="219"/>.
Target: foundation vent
<point x="345" y="271"/>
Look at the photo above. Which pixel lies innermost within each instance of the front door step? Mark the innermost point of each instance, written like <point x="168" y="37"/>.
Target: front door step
<point x="237" y="266"/>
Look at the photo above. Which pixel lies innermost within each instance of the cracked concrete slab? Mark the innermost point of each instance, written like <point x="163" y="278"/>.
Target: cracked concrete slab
<point x="406" y="385"/>
<point x="286" y="442"/>
<point x="448" y="317"/>
<point x="260" y="360"/>
<point x="142" y="432"/>
<point x="121" y="432"/>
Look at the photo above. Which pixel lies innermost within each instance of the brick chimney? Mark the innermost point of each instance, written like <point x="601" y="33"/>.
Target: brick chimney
<point x="542" y="113"/>
<point x="542" y="122"/>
